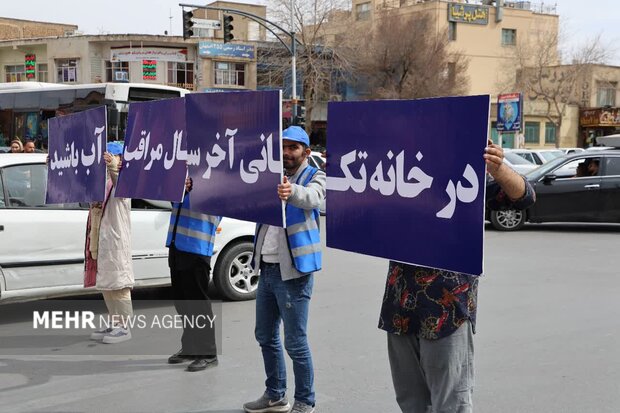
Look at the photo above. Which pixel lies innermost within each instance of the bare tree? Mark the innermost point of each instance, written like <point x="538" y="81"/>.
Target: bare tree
<point x="319" y="65"/>
<point x="406" y="57"/>
<point x="552" y="85"/>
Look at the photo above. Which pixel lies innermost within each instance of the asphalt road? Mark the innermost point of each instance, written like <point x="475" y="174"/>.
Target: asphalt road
<point x="548" y="340"/>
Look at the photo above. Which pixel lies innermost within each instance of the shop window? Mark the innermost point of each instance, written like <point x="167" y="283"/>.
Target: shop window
<point x="509" y="37"/>
<point x="532" y="132"/>
<point x="67" y="70"/>
<point x="549" y="132"/>
<point x="229" y="74"/>
<point x="15" y="73"/>
<point x="181" y="74"/>
<point x="116" y="71"/>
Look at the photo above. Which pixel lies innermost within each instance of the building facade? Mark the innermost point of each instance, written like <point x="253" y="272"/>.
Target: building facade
<point x="485" y="32"/>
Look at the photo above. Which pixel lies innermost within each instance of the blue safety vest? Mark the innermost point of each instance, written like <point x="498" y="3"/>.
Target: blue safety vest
<point x="195" y="232"/>
<point x="302" y="231"/>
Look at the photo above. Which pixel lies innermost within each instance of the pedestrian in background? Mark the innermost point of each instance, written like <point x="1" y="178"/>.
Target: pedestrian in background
<point x="191" y="235"/>
<point x="430" y="316"/>
<point x="287" y="259"/>
<point x="108" y="264"/>
<point x="29" y="146"/>
<point x="16" y="146"/>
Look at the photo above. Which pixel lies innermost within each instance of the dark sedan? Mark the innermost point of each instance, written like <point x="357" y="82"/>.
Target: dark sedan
<point x="584" y="187"/>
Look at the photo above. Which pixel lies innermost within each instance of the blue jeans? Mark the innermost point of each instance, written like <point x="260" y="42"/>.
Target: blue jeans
<point x="288" y="301"/>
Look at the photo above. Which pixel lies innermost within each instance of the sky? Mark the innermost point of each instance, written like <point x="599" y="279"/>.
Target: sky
<point x="580" y="19"/>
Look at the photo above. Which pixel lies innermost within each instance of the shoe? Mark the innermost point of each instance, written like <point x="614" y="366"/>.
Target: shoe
<point x="202" y="363"/>
<point x="179" y="357"/>
<point x="266" y="405"/>
<point x="299" y="407"/>
<point x="98" y="334"/>
<point x="117" y="335"/>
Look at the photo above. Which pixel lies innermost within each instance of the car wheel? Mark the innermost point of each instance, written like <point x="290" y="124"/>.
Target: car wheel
<point x="233" y="274"/>
<point x="508" y="220"/>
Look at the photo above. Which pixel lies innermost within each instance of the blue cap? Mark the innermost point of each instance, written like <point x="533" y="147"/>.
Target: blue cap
<point x="114" y="148"/>
<point x="297" y="134"/>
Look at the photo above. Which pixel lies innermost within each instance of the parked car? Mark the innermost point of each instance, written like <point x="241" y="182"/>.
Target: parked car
<point x="538" y="156"/>
<point x="519" y="164"/>
<point x="42" y="246"/>
<point x="564" y="196"/>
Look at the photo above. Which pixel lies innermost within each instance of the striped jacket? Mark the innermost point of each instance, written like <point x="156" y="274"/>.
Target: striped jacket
<point x="195" y="232"/>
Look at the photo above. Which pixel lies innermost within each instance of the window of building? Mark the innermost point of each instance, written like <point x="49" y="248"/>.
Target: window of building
<point x="549" y="132"/>
<point x="509" y="37"/>
<point x="606" y="94"/>
<point x="15" y="73"/>
<point x="42" y="72"/>
<point x="230" y="74"/>
<point x="66" y="70"/>
<point x="181" y="74"/>
<point x="452" y="31"/>
<point x="116" y="71"/>
<point x="362" y="11"/>
<point x="532" y="132"/>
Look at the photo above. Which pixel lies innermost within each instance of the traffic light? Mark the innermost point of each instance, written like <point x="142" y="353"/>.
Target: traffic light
<point x="188" y="25"/>
<point x="228" y="28"/>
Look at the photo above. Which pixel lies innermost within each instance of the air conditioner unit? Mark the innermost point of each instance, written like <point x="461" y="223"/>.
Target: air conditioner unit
<point x="121" y="76"/>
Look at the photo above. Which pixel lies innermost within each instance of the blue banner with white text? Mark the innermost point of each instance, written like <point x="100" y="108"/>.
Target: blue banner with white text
<point x="235" y="156"/>
<point x="76" y="169"/>
<point x="406" y="180"/>
<point x="155" y="152"/>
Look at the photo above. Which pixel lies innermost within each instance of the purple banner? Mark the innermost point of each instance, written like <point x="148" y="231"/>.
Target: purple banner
<point x="407" y="180"/>
<point x="155" y="153"/>
<point x="76" y="170"/>
<point x="234" y="154"/>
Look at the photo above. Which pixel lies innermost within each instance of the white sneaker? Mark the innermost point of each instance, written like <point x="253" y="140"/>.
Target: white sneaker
<point x="117" y="335"/>
<point x="99" y="334"/>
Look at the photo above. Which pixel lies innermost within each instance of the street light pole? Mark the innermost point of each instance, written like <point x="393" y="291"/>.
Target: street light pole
<point x="293" y="64"/>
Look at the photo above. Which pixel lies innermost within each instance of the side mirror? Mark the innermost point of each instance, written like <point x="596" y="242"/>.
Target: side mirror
<point x="549" y="178"/>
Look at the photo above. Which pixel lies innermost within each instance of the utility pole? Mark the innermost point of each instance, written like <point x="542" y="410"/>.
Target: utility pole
<point x="293" y="64"/>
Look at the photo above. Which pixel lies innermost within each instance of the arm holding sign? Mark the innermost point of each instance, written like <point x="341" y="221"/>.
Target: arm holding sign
<point x="304" y="197"/>
<point x="509" y="189"/>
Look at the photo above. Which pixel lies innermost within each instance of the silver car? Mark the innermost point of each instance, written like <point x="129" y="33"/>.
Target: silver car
<point x="42" y="246"/>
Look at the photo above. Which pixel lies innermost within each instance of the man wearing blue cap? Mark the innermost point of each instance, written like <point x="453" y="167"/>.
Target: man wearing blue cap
<point x="287" y="258"/>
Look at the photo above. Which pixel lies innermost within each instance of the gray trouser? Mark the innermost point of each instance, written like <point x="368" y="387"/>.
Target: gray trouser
<point x="433" y="376"/>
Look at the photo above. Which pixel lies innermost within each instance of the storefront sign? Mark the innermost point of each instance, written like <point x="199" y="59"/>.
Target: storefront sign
<point x="149" y="69"/>
<point x="600" y="117"/>
<point x="468" y="13"/>
<point x="509" y="112"/>
<point x="154" y="53"/>
<point x="31" y="66"/>
<point x="213" y="49"/>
